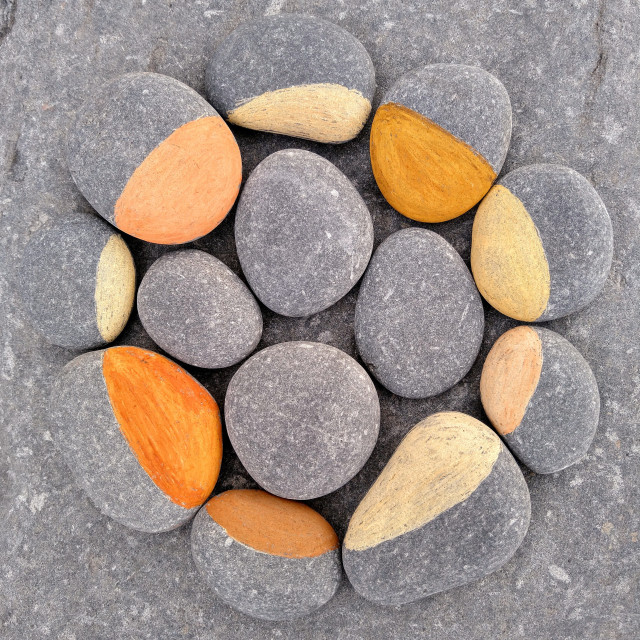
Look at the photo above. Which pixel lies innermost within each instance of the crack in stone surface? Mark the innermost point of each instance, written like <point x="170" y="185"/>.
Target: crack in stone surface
<point x="599" y="70"/>
<point x="7" y="17"/>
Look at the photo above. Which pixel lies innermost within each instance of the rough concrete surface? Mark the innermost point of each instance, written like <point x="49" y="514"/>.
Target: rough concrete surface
<point x="571" y="70"/>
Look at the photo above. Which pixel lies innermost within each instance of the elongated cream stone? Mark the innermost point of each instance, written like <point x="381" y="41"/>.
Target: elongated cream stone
<point x="450" y="507"/>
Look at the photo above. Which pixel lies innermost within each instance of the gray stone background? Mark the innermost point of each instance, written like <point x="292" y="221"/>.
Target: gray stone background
<point x="572" y="71"/>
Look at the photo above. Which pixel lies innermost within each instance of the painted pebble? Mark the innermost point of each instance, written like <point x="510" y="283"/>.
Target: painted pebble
<point x="303" y="233"/>
<point x="268" y="557"/>
<point x="419" y="319"/>
<point x="438" y="140"/>
<point x="303" y="418"/>
<point x="142" y="437"/>
<point x="154" y="158"/>
<point x="542" y="398"/>
<point x="451" y="506"/>
<point x="77" y="281"/>
<point x="196" y="309"/>
<point x="325" y="95"/>
<point x="542" y="243"/>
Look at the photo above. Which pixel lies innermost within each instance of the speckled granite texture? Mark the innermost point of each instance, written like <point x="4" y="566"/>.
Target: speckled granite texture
<point x="572" y="74"/>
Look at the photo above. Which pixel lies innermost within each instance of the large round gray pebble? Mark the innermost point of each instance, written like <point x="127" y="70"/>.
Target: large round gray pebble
<point x="196" y="309"/>
<point x="303" y="418"/>
<point x="419" y="318"/>
<point x="304" y="235"/>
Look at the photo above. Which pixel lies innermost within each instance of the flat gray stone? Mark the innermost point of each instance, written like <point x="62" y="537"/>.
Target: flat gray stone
<point x="88" y="436"/>
<point x="119" y="125"/>
<point x="67" y="570"/>
<point x="303" y="418"/>
<point x="469" y="102"/>
<point x="255" y="59"/>
<point x="260" y="584"/>
<point x="58" y="283"/>
<point x="419" y="319"/>
<point x="196" y="309"/>
<point x="303" y="233"/>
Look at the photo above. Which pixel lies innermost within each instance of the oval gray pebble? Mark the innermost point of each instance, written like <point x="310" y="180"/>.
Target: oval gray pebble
<point x="419" y="318"/>
<point x="325" y="95"/>
<point x="541" y="397"/>
<point x="303" y="233"/>
<point x="303" y="418"/>
<point x="196" y="309"/>
<point x="77" y="282"/>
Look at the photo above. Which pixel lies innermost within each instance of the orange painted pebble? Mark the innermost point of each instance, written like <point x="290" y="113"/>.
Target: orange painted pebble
<point x="266" y="556"/>
<point x="541" y="397"/>
<point x="143" y="438"/>
<point x="155" y="159"/>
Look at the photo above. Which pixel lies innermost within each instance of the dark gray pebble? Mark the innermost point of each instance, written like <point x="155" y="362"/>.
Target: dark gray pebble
<point x="542" y="243"/>
<point x="450" y="507"/>
<point x="77" y="282"/>
<point x="542" y="398"/>
<point x="293" y="74"/>
<point x="264" y="582"/>
<point x="119" y="125"/>
<point x="303" y="233"/>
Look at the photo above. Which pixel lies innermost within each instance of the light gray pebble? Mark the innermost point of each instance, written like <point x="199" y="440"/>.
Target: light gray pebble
<point x="196" y="309"/>
<point x="303" y="418"/>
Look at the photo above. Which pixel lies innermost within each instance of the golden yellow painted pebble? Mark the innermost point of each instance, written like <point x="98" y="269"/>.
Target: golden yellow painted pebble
<point x="542" y="243"/>
<point x="438" y="140"/>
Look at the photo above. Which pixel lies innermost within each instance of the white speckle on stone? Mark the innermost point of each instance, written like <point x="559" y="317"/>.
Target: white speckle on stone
<point x="274" y="7"/>
<point x="558" y="573"/>
<point x="576" y="482"/>
<point x="37" y="502"/>
<point x="9" y="363"/>
<point x="228" y="542"/>
<point x="334" y="193"/>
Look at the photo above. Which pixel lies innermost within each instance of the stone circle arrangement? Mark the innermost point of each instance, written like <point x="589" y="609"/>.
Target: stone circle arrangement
<point x="143" y="438"/>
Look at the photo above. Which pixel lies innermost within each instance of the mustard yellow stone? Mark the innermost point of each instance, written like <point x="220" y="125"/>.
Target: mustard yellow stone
<point x="508" y="260"/>
<point x="423" y="171"/>
<point x="115" y="288"/>
<point x="438" y="464"/>
<point x="323" y="112"/>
